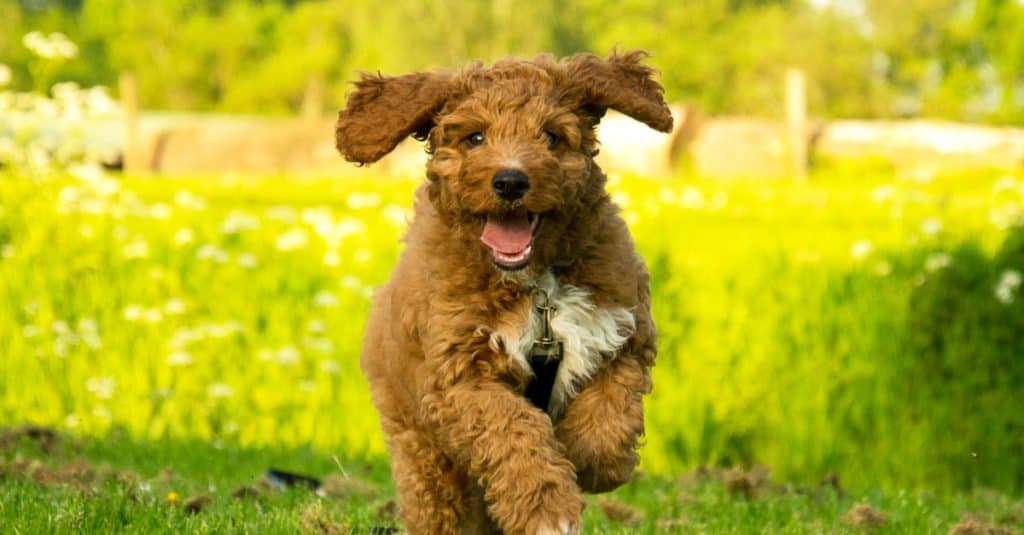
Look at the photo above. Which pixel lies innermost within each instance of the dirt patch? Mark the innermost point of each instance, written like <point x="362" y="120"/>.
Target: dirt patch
<point x="45" y="438"/>
<point x="316" y="521"/>
<point x="79" y="473"/>
<point x="865" y="517"/>
<point x="196" y="504"/>
<point x="738" y="480"/>
<point x="343" y="487"/>
<point x="620" y="513"/>
<point x="388" y="511"/>
<point x="972" y="524"/>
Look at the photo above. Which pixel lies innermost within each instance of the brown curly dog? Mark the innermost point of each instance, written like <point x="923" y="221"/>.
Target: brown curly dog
<point x="509" y="353"/>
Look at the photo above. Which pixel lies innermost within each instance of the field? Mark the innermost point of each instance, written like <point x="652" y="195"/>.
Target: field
<point x="865" y="323"/>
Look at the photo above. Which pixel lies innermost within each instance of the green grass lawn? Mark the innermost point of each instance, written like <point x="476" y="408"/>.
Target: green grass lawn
<point x="116" y="484"/>
<point x="865" y="322"/>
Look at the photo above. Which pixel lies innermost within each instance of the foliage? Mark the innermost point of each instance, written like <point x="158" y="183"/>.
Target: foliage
<point x="957" y="59"/>
<point x="965" y="354"/>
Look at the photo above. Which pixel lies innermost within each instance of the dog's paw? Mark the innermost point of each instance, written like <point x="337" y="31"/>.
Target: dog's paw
<point x="564" y="527"/>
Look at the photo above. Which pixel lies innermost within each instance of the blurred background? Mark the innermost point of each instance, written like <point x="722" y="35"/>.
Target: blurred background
<point x="183" y="254"/>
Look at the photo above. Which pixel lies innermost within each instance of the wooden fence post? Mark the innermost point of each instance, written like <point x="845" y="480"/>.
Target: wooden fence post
<point x="128" y="87"/>
<point x="796" y="121"/>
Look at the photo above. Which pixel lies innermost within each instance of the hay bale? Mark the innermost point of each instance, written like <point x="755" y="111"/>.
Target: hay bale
<point x="923" y="144"/>
<point x="629" y="146"/>
<point x="742" y="147"/>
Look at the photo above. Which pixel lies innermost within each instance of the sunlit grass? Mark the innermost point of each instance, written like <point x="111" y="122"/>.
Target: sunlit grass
<point x="230" y="309"/>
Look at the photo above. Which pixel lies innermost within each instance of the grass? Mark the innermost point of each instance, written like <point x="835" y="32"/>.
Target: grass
<point x="228" y="310"/>
<point x="116" y="484"/>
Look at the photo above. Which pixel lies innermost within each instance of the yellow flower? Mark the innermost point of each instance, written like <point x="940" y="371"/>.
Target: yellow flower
<point x="173" y="498"/>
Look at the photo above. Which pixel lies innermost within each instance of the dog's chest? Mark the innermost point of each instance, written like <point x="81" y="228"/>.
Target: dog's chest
<point x="589" y="336"/>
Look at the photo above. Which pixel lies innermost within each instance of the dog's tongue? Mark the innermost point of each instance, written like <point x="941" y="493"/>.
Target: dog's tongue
<point x="507" y="234"/>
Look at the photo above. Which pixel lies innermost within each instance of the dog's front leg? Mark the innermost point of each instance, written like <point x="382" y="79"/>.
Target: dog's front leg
<point x="509" y="446"/>
<point x="602" y="426"/>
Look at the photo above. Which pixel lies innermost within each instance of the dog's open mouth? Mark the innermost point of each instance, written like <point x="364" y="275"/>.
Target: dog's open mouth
<point x="510" y="237"/>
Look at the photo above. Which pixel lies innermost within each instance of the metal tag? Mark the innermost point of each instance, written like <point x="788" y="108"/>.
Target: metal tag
<point x="546" y="348"/>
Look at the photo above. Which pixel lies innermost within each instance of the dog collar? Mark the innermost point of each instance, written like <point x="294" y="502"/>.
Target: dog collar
<point x="545" y="356"/>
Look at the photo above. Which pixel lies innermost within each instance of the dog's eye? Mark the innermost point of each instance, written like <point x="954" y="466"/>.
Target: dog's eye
<point x="552" y="139"/>
<point x="475" y="139"/>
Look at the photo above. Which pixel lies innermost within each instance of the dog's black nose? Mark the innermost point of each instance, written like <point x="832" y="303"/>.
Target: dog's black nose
<point x="510" y="184"/>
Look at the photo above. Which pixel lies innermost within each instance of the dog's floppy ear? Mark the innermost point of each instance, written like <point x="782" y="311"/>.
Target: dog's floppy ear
<point x="383" y="110"/>
<point x="621" y="83"/>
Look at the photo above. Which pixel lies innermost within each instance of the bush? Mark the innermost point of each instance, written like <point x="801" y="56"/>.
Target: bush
<point x="965" y="372"/>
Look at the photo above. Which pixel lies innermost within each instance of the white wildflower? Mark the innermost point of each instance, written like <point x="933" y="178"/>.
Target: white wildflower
<point x="99" y="101"/>
<point x="102" y="413"/>
<point x="184" y="236"/>
<point x="1011" y="278"/>
<point x="87" y="325"/>
<point x="325" y="299"/>
<point x="316" y="326"/>
<point x="931" y="226"/>
<point x="89" y="332"/>
<point x="136" y="249"/>
<point x="332" y="258"/>
<point x="861" y="249"/>
<point x="351" y="282"/>
<point x="179" y="359"/>
<point x="330" y="366"/>
<point x="248" y="260"/>
<point x="883" y="193"/>
<point x="691" y="197"/>
<point x="1005" y="183"/>
<point x="186" y="199"/>
<point x="937" y="261"/>
<point x="152" y="315"/>
<point x="72" y="421"/>
<point x="285" y="214"/>
<point x="396" y="215"/>
<point x="212" y="252"/>
<point x="288" y="355"/>
<point x="356" y="200"/>
<point x="1006" y="215"/>
<point x="160" y="210"/>
<point x="5" y="75"/>
<point x="7" y="251"/>
<point x="238" y="221"/>
<point x="319" y="344"/>
<point x="220" y="391"/>
<point x="922" y="175"/>
<point x="101" y="387"/>
<point x="132" y="312"/>
<point x="174" y="307"/>
<point x="883" y="269"/>
<point x="292" y="240"/>
<point x="1004" y="294"/>
<point x="29" y="331"/>
<point x="1007" y="288"/>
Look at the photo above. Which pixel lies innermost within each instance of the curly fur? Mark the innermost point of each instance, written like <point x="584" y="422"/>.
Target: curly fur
<point x="446" y="342"/>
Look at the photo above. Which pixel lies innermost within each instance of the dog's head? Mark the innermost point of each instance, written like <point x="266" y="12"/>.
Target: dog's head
<point x="511" y="145"/>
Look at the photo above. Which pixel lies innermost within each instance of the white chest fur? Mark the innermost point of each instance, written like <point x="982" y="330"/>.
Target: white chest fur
<point x="589" y="334"/>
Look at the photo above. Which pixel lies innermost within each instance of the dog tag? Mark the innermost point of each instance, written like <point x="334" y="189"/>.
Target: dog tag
<point x="546" y="348"/>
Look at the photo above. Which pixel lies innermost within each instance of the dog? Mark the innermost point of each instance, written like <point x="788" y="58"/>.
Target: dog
<point x="509" y="352"/>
